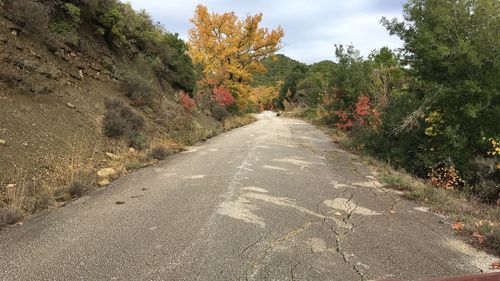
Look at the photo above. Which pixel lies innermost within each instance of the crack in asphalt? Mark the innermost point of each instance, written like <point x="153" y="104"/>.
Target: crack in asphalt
<point x="271" y="245"/>
<point x="252" y="244"/>
<point x="206" y="232"/>
<point x="338" y="249"/>
<point x="292" y="269"/>
<point x="340" y="236"/>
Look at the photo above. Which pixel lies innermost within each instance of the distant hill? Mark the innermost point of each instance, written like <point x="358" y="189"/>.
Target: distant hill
<point x="326" y="68"/>
<point x="278" y="68"/>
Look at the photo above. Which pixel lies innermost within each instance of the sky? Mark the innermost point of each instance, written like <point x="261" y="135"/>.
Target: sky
<point x="312" y="27"/>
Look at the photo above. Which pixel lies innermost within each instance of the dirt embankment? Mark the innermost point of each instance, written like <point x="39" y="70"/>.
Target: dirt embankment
<point x="52" y="103"/>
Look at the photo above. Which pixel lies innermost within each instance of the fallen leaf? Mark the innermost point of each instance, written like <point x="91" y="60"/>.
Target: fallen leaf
<point x="458" y="226"/>
<point x="495" y="265"/>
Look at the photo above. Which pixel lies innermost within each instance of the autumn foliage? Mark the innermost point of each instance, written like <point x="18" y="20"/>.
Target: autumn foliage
<point x="264" y="97"/>
<point x="187" y="102"/>
<point x="222" y="96"/>
<point x="229" y="49"/>
<point x="364" y="114"/>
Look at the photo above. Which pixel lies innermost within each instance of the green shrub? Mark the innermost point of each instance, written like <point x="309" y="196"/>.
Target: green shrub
<point x="120" y="120"/>
<point x="129" y="166"/>
<point x="486" y="191"/>
<point x="174" y="66"/>
<point x="219" y="112"/>
<point x="73" y="13"/>
<point x="112" y="27"/>
<point x="138" y="140"/>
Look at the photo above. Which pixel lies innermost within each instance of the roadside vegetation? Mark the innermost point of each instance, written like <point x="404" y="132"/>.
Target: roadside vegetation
<point x="429" y="110"/>
<point x="133" y="92"/>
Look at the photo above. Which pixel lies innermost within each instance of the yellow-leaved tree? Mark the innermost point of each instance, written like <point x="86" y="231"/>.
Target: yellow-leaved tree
<point x="229" y="49"/>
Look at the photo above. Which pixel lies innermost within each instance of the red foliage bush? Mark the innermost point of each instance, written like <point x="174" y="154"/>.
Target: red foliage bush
<point x="344" y="122"/>
<point x="222" y="96"/>
<point x="363" y="114"/>
<point x="187" y="101"/>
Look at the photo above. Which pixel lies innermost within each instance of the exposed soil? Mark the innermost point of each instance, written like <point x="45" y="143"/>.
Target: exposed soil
<point x="51" y="108"/>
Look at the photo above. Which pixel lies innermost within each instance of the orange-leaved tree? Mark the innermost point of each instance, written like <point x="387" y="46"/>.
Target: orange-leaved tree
<point x="229" y="48"/>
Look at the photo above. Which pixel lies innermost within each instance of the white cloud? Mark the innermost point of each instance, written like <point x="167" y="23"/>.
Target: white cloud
<point x="312" y="27"/>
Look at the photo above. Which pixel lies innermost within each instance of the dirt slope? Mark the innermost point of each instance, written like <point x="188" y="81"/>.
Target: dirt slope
<point x="51" y="108"/>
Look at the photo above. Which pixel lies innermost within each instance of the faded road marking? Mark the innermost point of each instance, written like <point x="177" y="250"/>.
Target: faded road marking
<point x="297" y="161"/>
<point x="195" y="177"/>
<point x="256" y="189"/>
<point x="274" y="168"/>
<point x="349" y="207"/>
<point x="372" y="183"/>
<point x="338" y="185"/>
<point x="241" y="209"/>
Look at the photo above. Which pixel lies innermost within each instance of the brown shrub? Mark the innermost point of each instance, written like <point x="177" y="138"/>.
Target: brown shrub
<point x="120" y="120"/>
<point x="137" y="89"/>
<point x="159" y="152"/>
<point x="30" y="15"/>
<point x="9" y="216"/>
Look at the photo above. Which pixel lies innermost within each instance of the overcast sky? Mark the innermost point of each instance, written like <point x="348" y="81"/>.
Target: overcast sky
<point x="312" y="27"/>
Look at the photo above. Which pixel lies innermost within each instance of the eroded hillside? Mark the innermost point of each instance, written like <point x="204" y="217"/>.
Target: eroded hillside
<point x="73" y="103"/>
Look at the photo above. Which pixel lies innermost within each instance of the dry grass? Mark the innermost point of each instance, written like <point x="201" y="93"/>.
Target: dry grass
<point x="71" y="176"/>
<point x="481" y="221"/>
<point x="64" y="179"/>
<point x="233" y="122"/>
<point x="9" y="215"/>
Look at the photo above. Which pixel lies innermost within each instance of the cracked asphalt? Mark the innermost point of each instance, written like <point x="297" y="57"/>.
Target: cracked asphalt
<point x="274" y="200"/>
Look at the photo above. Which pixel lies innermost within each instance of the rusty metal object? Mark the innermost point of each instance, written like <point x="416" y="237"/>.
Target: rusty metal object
<point x="475" y="277"/>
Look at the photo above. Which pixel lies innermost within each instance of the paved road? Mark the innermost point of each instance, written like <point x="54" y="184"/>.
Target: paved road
<point x="275" y="200"/>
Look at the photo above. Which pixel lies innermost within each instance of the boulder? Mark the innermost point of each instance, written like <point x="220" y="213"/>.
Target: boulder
<point x="103" y="182"/>
<point x="106" y="172"/>
<point x="112" y="156"/>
